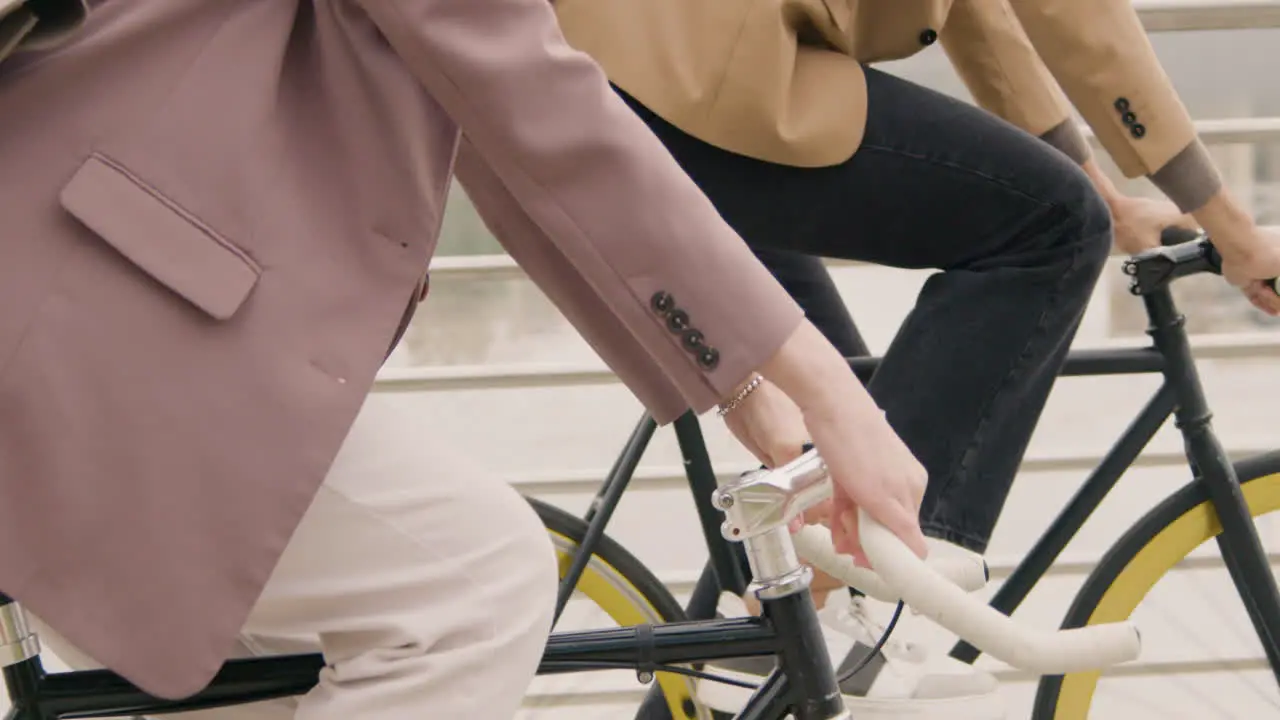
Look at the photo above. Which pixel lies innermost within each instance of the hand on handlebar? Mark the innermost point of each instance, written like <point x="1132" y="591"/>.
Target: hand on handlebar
<point x="1252" y="271"/>
<point x="870" y="466"/>
<point x="872" y="470"/>
<point x="1137" y="222"/>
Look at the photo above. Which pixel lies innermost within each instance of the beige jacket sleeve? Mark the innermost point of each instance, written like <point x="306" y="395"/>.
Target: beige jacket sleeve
<point x="629" y="239"/>
<point x="997" y="63"/>
<point x="1100" y="55"/>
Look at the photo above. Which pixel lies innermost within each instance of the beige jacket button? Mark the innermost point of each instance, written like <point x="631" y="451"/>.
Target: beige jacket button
<point x="928" y="36"/>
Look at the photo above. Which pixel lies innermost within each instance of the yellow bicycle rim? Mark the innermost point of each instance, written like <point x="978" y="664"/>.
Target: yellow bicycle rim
<point x="1195" y="527"/>
<point x="609" y="589"/>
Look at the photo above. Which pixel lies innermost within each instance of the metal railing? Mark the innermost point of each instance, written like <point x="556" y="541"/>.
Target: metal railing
<point x="507" y="377"/>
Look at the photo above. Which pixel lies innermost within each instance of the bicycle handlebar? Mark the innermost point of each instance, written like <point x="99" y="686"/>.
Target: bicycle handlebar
<point x="813" y="543"/>
<point x="1184" y="252"/>
<point x="759" y="505"/>
<point x="1040" y="651"/>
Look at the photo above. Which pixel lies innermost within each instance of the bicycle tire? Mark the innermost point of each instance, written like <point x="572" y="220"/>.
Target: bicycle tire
<point x="626" y="590"/>
<point x="1144" y="554"/>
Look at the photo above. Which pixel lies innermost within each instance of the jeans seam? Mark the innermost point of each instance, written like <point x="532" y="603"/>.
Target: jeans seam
<point x="949" y="533"/>
<point x="966" y="169"/>
<point x="962" y="465"/>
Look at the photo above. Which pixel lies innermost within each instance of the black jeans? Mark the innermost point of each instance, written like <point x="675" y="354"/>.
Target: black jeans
<point x="1018" y="232"/>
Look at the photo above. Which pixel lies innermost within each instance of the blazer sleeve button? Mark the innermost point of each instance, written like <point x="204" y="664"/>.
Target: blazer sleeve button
<point x="1122" y="104"/>
<point x="928" y="36"/>
<point x="678" y="321"/>
<point x="1128" y="118"/>
<point x="692" y="340"/>
<point x="709" y="358"/>
<point x="1137" y="131"/>
<point x="662" y="302"/>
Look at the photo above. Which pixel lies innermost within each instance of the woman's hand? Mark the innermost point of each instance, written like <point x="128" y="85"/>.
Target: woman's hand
<point x="870" y="466"/>
<point x="769" y="425"/>
<point x="872" y="469"/>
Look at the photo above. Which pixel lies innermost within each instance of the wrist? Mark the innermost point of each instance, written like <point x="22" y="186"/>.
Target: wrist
<point x="1103" y="184"/>
<point x="739" y="394"/>
<point x="813" y="374"/>
<point x="1230" y="226"/>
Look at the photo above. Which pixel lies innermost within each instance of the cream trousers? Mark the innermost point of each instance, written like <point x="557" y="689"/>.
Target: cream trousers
<point x="428" y="587"/>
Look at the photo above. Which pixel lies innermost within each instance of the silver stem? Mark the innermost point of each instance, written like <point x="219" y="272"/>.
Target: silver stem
<point x="17" y="641"/>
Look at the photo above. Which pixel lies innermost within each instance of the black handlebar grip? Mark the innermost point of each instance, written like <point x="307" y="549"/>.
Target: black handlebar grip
<point x="1179" y="235"/>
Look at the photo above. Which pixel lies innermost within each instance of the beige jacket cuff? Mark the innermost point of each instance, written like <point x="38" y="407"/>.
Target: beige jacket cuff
<point x="1066" y="137"/>
<point x="1190" y="178"/>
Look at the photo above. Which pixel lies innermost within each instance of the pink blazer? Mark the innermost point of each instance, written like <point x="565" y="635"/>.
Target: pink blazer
<point x="212" y="218"/>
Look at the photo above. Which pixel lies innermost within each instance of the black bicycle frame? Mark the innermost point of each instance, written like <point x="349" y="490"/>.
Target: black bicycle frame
<point x="1181" y="395"/>
<point x="788" y="630"/>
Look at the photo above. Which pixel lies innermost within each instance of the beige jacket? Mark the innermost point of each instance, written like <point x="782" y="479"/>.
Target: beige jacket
<point x="781" y="80"/>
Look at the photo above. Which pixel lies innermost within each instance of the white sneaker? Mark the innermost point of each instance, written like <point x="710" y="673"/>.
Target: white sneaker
<point x="903" y="680"/>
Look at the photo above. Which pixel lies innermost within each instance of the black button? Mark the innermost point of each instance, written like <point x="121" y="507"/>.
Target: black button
<point x="928" y="36"/>
<point x="1128" y="118"/>
<point x="678" y="321"/>
<point x="662" y="302"/>
<point x="709" y="358"/>
<point x="1122" y="104"/>
<point x="1138" y="130"/>
<point x="692" y="340"/>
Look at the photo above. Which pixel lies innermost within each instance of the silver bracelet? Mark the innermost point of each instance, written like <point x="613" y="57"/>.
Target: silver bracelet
<point x="746" y="390"/>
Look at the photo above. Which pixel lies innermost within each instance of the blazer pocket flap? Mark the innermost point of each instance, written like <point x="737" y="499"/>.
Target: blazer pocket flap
<point x="161" y="238"/>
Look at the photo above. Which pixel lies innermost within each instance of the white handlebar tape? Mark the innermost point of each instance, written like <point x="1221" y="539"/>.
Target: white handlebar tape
<point x="813" y="543"/>
<point x="1044" y="652"/>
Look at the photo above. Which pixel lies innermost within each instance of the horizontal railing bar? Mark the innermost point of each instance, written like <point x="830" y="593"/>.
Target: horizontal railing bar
<point x="499" y="377"/>
<point x="1227" y="131"/>
<point x="585" y="482"/>
<point x="502" y="267"/>
<point x="1184" y="15"/>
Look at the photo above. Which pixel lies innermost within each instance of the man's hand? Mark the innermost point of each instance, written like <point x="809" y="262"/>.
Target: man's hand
<point x="1251" y="269"/>
<point x="1137" y="222"/>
